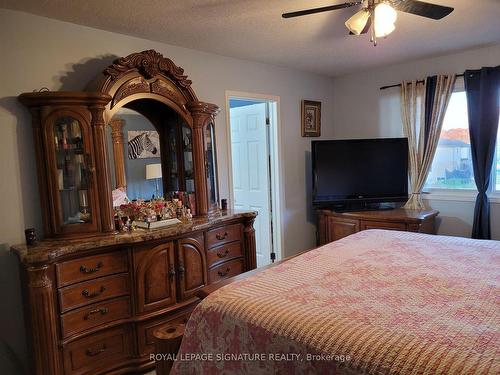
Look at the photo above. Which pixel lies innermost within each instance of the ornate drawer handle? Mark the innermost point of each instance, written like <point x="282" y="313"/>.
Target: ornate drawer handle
<point x="93" y="352"/>
<point x="102" y="311"/>
<point x="221" y="237"/>
<point x="223" y="274"/>
<point x="84" y="269"/>
<point x="171" y="273"/>
<point x="181" y="270"/>
<point x="97" y="293"/>
<point x="224" y="254"/>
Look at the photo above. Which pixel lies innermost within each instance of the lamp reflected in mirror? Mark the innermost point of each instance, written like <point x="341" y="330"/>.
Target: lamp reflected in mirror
<point x="153" y="172"/>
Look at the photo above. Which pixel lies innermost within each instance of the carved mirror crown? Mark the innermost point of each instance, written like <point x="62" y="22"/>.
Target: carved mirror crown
<point x="148" y="75"/>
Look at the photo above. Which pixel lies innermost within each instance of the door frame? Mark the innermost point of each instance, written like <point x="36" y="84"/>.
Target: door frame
<point x="276" y="172"/>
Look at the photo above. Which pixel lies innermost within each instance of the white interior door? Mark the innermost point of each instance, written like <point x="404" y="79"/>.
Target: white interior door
<point x="250" y="163"/>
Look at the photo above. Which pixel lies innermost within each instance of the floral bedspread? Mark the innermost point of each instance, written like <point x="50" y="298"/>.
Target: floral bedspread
<point x="377" y="302"/>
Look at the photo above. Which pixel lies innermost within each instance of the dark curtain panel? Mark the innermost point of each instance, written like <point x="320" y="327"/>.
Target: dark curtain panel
<point x="482" y="89"/>
<point x="430" y="94"/>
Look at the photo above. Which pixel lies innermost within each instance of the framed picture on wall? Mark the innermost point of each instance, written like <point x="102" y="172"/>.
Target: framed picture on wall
<point x="311" y="118"/>
<point x="143" y="144"/>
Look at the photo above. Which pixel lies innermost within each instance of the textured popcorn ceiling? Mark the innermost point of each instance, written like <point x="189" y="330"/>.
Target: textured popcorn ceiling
<point x="254" y="29"/>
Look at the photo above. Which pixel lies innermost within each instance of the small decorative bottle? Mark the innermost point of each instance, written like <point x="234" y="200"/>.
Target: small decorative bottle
<point x="64" y="140"/>
<point x="128" y="224"/>
<point x="179" y="209"/>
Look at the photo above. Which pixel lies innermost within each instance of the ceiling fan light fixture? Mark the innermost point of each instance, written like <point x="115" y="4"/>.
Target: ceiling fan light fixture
<point x="382" y="30"/>
<point x="357" y="23"/>
<point x="386" y="14"/>
<point x="385" y="17"/>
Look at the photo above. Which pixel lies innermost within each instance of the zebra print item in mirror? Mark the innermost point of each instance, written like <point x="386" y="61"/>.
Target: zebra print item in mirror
<point x="143" y="144"/>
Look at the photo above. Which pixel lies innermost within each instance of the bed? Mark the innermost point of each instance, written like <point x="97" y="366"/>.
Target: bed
<point x="376" y="302"/>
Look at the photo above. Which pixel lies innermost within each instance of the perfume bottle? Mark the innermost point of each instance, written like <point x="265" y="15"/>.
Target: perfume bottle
<point x="84" y="206"/>
<point x="64" y="140"/>
<point x="179" y="209"/>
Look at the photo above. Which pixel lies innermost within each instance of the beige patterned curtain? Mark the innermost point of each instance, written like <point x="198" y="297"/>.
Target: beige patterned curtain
<point x="423" y="107"/>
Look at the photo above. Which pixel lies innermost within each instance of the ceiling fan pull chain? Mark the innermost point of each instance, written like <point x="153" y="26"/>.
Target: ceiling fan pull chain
<point x="372" y="15"/>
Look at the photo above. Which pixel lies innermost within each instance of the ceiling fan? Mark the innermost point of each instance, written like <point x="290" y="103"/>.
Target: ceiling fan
<point x="381" y="13"/>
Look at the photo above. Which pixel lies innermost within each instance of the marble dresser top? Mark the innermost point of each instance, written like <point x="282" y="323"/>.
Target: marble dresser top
<point x="48" y="250"/>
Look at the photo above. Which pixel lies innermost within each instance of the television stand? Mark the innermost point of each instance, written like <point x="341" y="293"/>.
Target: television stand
<point x="351" y="207"/>
<point x="334" y="225"/>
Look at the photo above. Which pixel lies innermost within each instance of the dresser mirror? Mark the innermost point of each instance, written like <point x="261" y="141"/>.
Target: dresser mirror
<point x="134" y="150"/>
<point x="150" y="152"/>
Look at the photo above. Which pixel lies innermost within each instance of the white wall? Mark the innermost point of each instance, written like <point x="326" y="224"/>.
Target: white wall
<point x="361" y="110"/>
<point x="39" y="52"/>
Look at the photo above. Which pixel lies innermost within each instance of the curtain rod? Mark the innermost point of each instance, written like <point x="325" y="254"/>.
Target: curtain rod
<point x="422" y="81"/>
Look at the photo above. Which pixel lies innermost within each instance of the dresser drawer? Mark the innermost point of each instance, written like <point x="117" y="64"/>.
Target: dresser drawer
<point x="87" y="292"/>
<point x="368" y="224"/>
<point x="94" y="315"/>
<point x="74" y="271"/>
<point x="97" y="352"/>
<point x="145" y="331"/>
<point x="225" y="270"/>
<point x="222" y="235"/>
<point x="223" y="253"/>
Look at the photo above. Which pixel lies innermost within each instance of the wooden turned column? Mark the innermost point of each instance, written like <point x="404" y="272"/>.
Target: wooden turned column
<point x="102" y="169"/>
<point x="203" y="114"/>
<point x="118" y="151"/>
<point x="199" y="168"/>
<point x="249" y="241"/>
<point x="43" y="317"/>
<point x="42" y="172"/>
<point x="167" y="343"/>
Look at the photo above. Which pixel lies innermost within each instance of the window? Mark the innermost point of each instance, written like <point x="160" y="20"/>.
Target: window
<point x="452" y="164"/>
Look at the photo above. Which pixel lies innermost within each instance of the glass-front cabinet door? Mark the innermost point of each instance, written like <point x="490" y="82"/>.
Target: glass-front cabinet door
<point x="69" y="146"/>
<point x="187" y="155"/>
<point x="174" y="178"/>
<point x="211" y="167"/>
<point x="179" y="160"/>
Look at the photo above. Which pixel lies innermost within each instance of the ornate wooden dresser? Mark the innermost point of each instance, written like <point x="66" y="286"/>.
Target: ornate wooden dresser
<point x="92" y="304"/>
<point x="93" y="296"/>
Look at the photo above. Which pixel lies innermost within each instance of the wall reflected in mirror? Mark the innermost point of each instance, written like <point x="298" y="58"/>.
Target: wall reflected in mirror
<point x="135" y="145"/>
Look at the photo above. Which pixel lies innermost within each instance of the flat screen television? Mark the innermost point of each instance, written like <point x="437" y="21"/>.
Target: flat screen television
<point x="359" y="171"/>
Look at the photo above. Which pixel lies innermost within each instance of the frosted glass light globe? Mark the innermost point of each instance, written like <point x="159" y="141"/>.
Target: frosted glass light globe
<point x="385" y="14"/>
<point x="381" y="30"/>
<point x="357" y="23"/>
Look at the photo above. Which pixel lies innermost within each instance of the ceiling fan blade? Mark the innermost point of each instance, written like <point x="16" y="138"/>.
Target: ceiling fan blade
<point x="366" y="28"/>
<point x="421" y="8"/>
<point x="319" y="10"/>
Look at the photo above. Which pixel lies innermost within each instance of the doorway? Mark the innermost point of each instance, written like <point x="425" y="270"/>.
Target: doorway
<point x="254" y="174"/>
